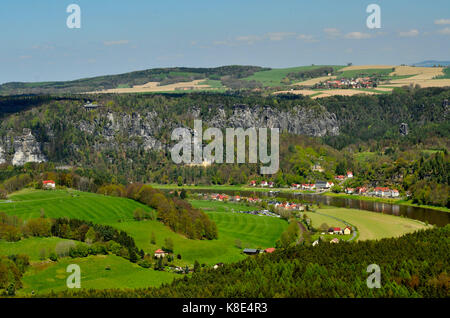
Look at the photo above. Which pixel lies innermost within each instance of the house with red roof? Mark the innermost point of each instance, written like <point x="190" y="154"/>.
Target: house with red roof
<point x="48" y="184"/>
<point x="160" y="253"/>
<point x="349" y="174"/>
<point x="270" y="250"/>
<point x="347" y="230"/>
<point x="253" y="183"/>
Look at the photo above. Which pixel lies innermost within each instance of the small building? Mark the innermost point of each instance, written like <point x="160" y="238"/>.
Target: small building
<point x="253" y="183"/>
<point x="269" y="250"/>
<point x="160" y="253"/>
<point x="347" y="230"/>
<point x="264" y="184"/>
<point x="349" y="190"/>
<point x="321" y="184"/>
<point x="316" y="242"/>
<point x="349" y="174"/>
<point x="218" y="265"/>
<point x="251" y="251"/>
<point x="334" y="241"/>
<point x="331" y="230"/>
<point x="48" y="184"/>
<point x="395" y="193"/>
<point x="337" y="230"/>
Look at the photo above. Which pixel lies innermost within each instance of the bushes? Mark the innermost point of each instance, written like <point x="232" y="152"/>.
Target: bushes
<point x="38" y="227"/>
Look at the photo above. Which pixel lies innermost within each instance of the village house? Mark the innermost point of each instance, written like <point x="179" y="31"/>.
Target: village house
<point x="270" y="183"/>
<point x="395" y="193"/>
<point x="48" y="184"/>
<point x="264" y="184"/>
<point x="306" y="186"/>
<point x="349" y="190"/>
<point x="160" y="253"/>
<point x="347" y="230"/>
<point x="361" y="190"/>
<point x="340" y="178"/>
<point x="329" y="184"/>
<point x="253" y="183"/>
<point x="269" y="250"/>
<point x="349" y="174"/>
<point x="335" y="240"/>
<point x="321" y="185"/>
<point x="316" y="242"/>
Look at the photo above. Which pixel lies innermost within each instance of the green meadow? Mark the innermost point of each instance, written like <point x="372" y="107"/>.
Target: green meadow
<point x="274" y="77"/>
<point x="252" y="231"/>
<point x="97" y="272"/>
<point x="71" y="204"/>
<point x="31" y="246"/>
<point x="372" y="225"/>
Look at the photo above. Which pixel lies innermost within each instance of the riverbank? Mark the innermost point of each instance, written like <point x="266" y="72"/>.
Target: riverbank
<point x="385" y="200"/>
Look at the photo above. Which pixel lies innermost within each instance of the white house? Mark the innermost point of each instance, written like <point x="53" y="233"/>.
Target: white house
<point x="48" y="184"/>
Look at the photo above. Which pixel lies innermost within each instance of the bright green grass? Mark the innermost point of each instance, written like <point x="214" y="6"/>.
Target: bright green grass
<point x="318" y="219"/>
<point x="273" y="77"/>
<point x="365" y="72"/>
<point x="252" y="231"/>
<point x="72" y="204"/>
<point x="372" y="225"/>
<point x="212" y="83"/>
<point x="446" y="73"/>
<point x="123" y="274"/>
<point x="30" y="246"/>
<point x="364" y="156"/>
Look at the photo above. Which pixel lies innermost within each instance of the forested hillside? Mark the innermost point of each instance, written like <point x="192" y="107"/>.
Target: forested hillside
<point x="415" y="265"/>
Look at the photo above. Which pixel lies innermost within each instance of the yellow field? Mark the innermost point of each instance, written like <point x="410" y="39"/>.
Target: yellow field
<point x="154" y="87"/>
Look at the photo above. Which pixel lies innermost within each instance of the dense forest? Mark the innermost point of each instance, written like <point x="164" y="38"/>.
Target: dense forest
<point x="414" y="265"/>
<point x="369" y="142"/>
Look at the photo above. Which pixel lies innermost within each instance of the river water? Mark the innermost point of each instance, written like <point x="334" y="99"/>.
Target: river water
<point x="439" y="218"/>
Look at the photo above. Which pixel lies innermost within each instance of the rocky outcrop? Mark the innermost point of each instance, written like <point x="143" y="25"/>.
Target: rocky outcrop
<point x="299" y="120"/>
<point x="27" y="149"/>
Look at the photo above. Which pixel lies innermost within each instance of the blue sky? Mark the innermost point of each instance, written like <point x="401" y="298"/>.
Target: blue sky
<point x="123" y="36"/>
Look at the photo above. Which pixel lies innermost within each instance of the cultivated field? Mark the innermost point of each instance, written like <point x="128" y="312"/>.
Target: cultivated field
<point x="373" y="225"/>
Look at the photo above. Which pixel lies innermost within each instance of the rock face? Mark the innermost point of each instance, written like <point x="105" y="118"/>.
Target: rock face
<point x="108" y="131"/>
<point x="299" y="120"/>
<point x="27" y="149"/>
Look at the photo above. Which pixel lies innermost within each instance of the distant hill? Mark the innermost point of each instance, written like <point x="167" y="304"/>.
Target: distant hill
<point x="164" y="76"/>
<point x="432" y="63"/>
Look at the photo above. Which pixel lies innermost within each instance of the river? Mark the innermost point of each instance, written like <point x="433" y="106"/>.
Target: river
<point x="439" y="218"/>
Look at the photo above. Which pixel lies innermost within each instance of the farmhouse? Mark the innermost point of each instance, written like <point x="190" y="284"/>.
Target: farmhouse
<point x="251" y="251"/>
<point x="347" y="230"/>
<point x="269" y="250"/>
<point x="349" y="174"/>
<point x="321" y="184"/>
<point x="160" y="253"/>
<point x="335" y="240"/>
<point x="48" y="184"/>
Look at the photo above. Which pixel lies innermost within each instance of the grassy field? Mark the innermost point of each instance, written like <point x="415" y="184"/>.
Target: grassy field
<point x="364" y="72"/>
<point x="373" y="225"/>
<point x="252" y="231"/>
<point x="30" y="246"/>
<point x="273" y="77"/>
<point x="49" y="276"/>
<point x="318" y="219"/>
<point x="72" y="204"/>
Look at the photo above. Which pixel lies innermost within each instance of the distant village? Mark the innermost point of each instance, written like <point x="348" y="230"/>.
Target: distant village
<point x="348" y="83"/>
<point x="322" y="186"/>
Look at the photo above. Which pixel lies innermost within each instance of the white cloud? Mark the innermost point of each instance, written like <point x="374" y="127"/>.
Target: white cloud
<point x="278" y="36"/>
<point x="442" y="21"/>
<point x="306" y="38"/>
<point x="357" y="36"/>
<point x="249" y="39"/>
<point x="333" y="32"/>
<point x="410" y="33"/>
<point x="445" y="31"/>
<point x="119" y="42"/>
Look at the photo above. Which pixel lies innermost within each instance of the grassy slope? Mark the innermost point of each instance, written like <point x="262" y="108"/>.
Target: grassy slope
<point x="30" y="246"/>
<point x="373" y="225"/>
<point x="252" y="231"/>
<point x="273" y="77"/>
<point x="72" y="204"/>
<point x="52" y="276"/>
